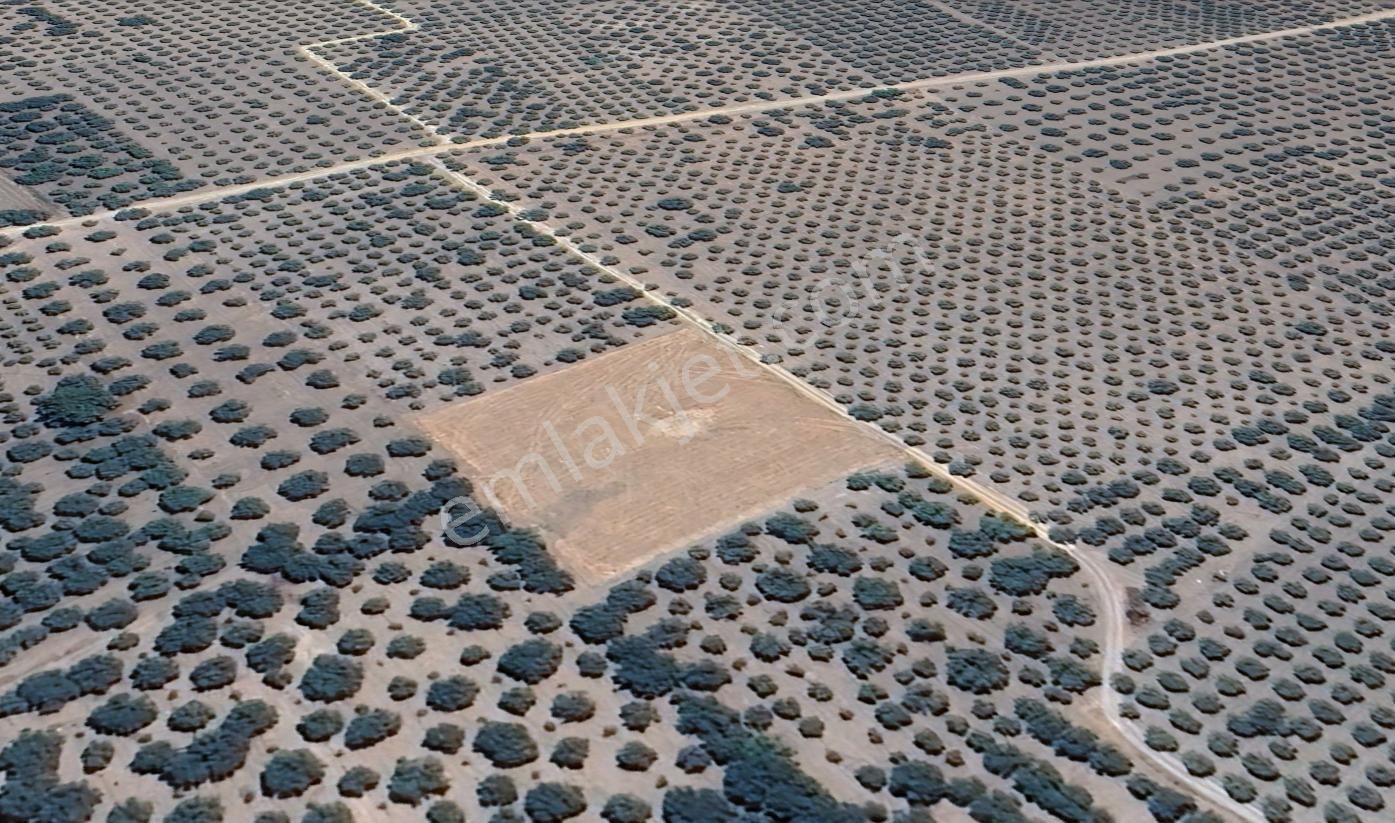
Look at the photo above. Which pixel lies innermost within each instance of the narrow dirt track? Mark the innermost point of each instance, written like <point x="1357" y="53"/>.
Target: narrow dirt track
<point x="441" y="144"/>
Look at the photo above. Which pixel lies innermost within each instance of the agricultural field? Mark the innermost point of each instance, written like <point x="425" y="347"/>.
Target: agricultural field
<point x="525" y="66"/>
<point x="106" y="104"/>
<point x="606" y="459"/>
<point x="697" y="411"/>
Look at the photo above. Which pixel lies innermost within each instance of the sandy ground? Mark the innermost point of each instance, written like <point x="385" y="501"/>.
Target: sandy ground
<point x="629" y="455"/>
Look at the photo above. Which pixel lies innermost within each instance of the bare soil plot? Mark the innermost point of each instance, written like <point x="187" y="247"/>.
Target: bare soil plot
<point x="628" y="455"/>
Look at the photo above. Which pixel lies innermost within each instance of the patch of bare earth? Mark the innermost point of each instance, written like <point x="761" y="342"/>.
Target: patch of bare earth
<point x="621" y="458"/>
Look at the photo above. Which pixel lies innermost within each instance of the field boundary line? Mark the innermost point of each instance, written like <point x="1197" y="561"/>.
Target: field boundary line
<point x="445" y="145"/>
<point x="405" y="25"/>
<point x="970" y="20"/>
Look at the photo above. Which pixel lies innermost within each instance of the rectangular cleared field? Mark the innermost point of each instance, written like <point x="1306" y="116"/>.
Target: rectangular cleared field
<point x="621" y="458"/>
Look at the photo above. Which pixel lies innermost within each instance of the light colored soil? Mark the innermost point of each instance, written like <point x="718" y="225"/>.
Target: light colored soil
<point x="610" y="488"/>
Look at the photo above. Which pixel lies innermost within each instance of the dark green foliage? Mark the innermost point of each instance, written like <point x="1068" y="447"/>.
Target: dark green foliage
<point x="320" y="725"/>
<point x="190" y="717"/>
<point x="572" y="707"/>
<point x="415" y="779"/>
<point x="304" y="486"/>
<point x="358" y="781"/>
<point x="444" y="811"/>
<point x="640" y="668"/>
<point x="446" y="738"/>
<point x="518" y="700"/>
<point x="332" y="440"/>
<point x="834" y="560"/>
<point x="876" y="594"/>
<point x="863" y="657"/>
<point x="783" y="585"/>
<point x="649" y="315"/>
<point x="918" y="783"/>
<point x="1036" y="781"/>
<point x="196" y="810"/>
<point x="319" y="609"/>
<point x="531" y="661"/>
<point x="269" y="655"/>
<point x="735" y="549"/>
<point x="1024" y="640"/>
<point x="355" y="642"/>
<point x="971" y="602"/>
<point x="534" y="565"/>
<point x="73" y="155"/>
<point x="571" y="752"/>
<point x="330" y="678"/>
<point x="405" y="647"/>
<point x="791" y="528"/>
<point x="616" y="296"/>
<point x="1072" y="612"/>
<point x="1071" y="674"/>
<point x="97" y="755"/>
<point x="17" y="512"/>
<point x="290" y="773"/>
<point x="332" y="514"/>
<point x="32" y="792"/>
<point x="451" y="694"/>
<point x="230" y="411"/>
<point x="968" y="545"/>
<point x="390" y="573"/>
<point x="309" y="417"/>
<point x="29" y="452"/>
<point x="250" y="508"/>
<point x="1029" y="575"/>
<point x="996" y="807"/>
<point x="187" y="635"/>
<point x="496" y="790"/>
<point x="478" y="612"/>
<point x="250" y="598"/>
<point x="153" y="673"/>
<point x="626" y="808"/>
<point x="122" y="715"/>
<point x="1003" y="530"/>
<point x="553" y="802"/>
<point x="598" y="623"/>
<point x="176" y="430"/>
<point x="48" y="691"/>
<point x="634" y="756"/>
<point x="681" y="574"/>
<point x="76" y="400"/>
<point x="757" y="775"/>
<point x="505" y="745"/>
<point x="371" y="727"/>
<point x="408" y="447"/>
<point x="977" y="671"/>
<point x="335" y="812"/>
<point x="131" y="810"/>
<point x="218" y="754"/>
<point x="213" y="673"/>
<point x="1067" y="740"/>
